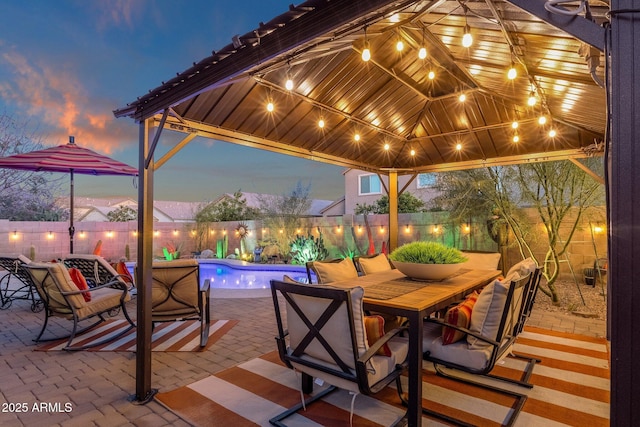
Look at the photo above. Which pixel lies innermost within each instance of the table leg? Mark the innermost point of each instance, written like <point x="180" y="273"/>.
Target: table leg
<point x="414" y="410"/>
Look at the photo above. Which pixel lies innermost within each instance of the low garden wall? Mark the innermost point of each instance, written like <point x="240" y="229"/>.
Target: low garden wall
<point x="342" y="235"/>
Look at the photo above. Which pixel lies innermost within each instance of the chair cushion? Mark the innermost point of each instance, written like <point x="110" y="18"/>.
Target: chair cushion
<point x="374" y="264"/>
<point x="61" y="275"/>
<point x="181" y="276"/>
<point x="79" y="280"/>
<point x="487" y="312"/>
<point x="327" y="272"/>
<point x="459" y="315"/>
<point x="339" y="337"/>
<point x="459" y="352"/>
<point x="374" y="328"/>
<point x="481" y="260"/>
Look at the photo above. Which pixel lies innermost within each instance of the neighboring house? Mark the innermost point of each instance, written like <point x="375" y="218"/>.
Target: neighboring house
<point x="97" y="209"/>
<point x="362" y="187"/>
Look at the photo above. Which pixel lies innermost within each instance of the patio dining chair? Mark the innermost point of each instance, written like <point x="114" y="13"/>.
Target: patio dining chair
<point x="22" y="286"/>
<point x="325" y="337"/>
<point x="474" y="344"/>
<point x="63" y="298"/>
<point x="177" y="295"/>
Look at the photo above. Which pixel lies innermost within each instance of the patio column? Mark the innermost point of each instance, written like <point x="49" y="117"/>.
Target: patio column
<point x="393" y="210"/>
<point x="624" y="217"/>
<point x="144" y="392"/>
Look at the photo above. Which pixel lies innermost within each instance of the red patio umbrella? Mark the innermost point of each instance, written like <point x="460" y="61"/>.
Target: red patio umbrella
<point x="68" y="158"/>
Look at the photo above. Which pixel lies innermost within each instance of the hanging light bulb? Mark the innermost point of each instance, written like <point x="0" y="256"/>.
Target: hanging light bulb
<point x="422" y="53"/>
<point x="515" y="124"/>
<point x="387" y="146"/>
<point x="366" y="52"/>
<point x="458" y="146"/>
<point x="413" y="152"/>
<point x="270" y="107"/>
<point x="532" y="99"/>
<point x="467" y="38"/>
<point x="516" y="138"/>
<point x="356" y="137"/>
<point x="400" y="46"/>
<point x="462" y="97"/>
<point x="321" y="123"/>
<point x="288" y="84"/>
<point x="431" y="75"/>
<point x="542" y="120"/>
<point x="552" y="133"/>
<point x="512" y="73"/>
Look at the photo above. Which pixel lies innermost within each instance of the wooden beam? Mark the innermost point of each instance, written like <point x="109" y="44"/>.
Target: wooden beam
<point x="588" y="171"/>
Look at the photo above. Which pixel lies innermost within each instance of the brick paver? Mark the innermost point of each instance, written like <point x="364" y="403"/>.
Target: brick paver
<point x="98" y="384"/>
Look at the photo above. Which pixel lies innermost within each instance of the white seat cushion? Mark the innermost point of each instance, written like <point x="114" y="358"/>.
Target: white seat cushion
<point x="459" y="352"/>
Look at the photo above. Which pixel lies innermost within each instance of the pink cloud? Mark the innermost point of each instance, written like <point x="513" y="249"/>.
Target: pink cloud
<point x="56" y="98"/>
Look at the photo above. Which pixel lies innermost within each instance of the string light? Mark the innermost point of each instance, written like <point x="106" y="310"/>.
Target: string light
<point x="366" y="52"/>
<point x="270" y="107"/>
<point x="462" y="97"/>
<point x="552" y="133"/>
<point x="532" y="99"/>
<point x="387" y="146"/>
<point x="516" y="138"/>
<point x="413" y="152"/>
<point x="321" y="123"/>
<point x="356" y="137"/>
<point x="422" y="53"/>
<point x="400" y="46"/>
<point x="512" y="73"/>
<point x="458" y="146"/>
<point x="467" y="38"/>
<point x="289" y="83"/>
<point x="515" y="124"/>
<point x="542" y="120"/>
<point x="431" y="75"/>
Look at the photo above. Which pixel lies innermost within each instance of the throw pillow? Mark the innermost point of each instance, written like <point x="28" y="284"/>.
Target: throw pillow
<point x="487" y="313"/>
<point x="327" y="272"/>
<point x="80" y="282"/>
<point x="374" y="328"/>
<point x="374" y="264"/>
<point x="121" y="269"/>
<point x="460" y="315"/>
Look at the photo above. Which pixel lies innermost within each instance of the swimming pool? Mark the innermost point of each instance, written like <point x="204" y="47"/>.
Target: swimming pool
<point x="233" y="274"/>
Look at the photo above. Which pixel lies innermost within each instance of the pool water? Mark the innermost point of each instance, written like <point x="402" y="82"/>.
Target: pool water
<point x="251" y="276"/>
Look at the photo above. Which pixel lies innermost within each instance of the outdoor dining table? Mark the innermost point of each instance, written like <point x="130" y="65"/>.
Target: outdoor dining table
<point x="394" y="293"/>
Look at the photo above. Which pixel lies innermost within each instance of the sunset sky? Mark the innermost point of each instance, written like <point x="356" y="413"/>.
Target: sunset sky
<point x="66" y="65"/>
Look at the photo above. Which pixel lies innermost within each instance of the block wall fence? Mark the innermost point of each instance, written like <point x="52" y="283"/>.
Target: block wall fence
<point x="341" y="234"/>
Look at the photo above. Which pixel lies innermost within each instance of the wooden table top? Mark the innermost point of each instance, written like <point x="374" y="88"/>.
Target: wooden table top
<point x="416" y="295"/>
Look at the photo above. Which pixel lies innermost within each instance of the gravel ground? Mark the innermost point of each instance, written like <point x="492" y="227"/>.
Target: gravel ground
<point x="594" y="305"/>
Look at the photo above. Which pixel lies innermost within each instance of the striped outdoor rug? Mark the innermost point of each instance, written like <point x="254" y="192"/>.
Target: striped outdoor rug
<point x="571" y="388"/>
<point x="169" y="336"/>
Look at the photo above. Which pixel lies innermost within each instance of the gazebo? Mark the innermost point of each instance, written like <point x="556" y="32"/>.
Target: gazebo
<point x="398" y="87"/>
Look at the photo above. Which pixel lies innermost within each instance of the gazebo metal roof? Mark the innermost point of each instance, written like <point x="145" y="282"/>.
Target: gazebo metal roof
<point x="391" y="99"/>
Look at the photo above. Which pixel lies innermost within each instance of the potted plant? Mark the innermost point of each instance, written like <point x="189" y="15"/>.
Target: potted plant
<point x="427" y="260"/>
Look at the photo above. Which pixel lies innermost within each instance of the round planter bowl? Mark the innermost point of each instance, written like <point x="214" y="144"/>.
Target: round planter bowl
<point x="426" y="271"/>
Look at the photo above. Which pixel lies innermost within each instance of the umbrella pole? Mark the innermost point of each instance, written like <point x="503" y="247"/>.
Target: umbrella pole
<point x="71" y="229"/>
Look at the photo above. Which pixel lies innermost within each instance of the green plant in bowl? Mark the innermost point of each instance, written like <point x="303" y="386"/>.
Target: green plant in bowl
<point x="427" y="253"/>
<point x="427" y="260"/>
